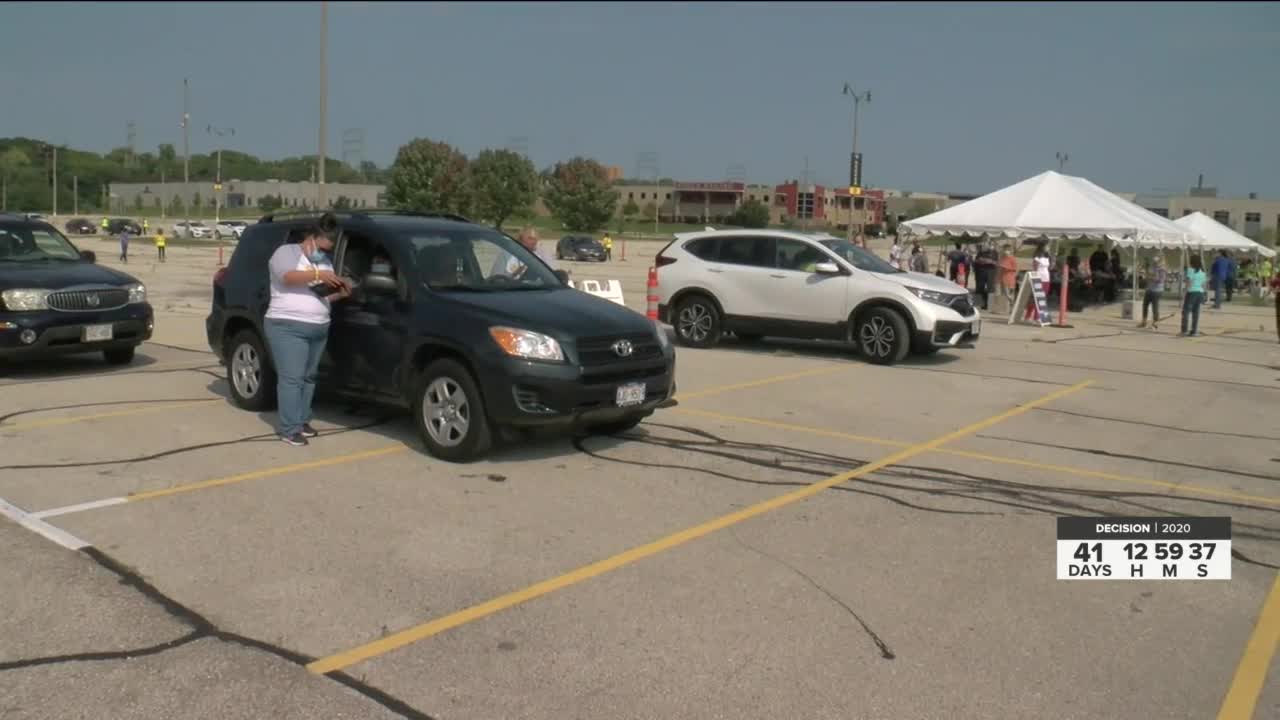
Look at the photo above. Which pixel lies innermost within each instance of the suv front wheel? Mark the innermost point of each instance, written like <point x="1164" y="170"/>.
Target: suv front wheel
<point x="250" y="375"/>
<point x="450" y="413"/>
<point x="881" y="335"/>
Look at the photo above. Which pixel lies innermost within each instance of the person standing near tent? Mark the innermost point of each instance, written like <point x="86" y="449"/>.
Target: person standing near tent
<point x="919" y="260"/>
<point x="957" y="258"/>
<point x="1155" y="287"/>
<point x="1275" y="288"/>
<point x="1194" y="297"/>
<point x="1008" y="273"/>
<point x="984" y="272"/>
<point x="1220" y="269"/>
<point x="1039" y="273"/>
<point x="160" y="244"/>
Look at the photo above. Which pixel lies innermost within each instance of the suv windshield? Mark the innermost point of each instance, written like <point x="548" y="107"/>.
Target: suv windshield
<point x="858" y="257"/>
<point x="35" y="244"/>
<point x="478" y="260"/>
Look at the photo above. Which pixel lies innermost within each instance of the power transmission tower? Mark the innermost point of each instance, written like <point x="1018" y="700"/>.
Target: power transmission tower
<point x="353" y="149"/>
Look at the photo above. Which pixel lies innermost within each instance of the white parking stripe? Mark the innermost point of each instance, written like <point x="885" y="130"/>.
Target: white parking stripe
<point x="34" y="524"/>
<point x="67" y="509"/>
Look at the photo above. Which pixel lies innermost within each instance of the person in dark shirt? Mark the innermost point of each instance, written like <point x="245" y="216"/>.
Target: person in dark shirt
<point x="1218" y="273"/>
<point x="957" y="258"/>
<point x="984" y="272"/>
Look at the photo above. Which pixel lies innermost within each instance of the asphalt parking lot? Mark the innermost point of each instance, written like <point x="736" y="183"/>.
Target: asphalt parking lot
<point x="805" y="535"/>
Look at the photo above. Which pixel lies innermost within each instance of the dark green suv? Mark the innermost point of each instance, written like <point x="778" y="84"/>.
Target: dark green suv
<point x="457" y="322"/>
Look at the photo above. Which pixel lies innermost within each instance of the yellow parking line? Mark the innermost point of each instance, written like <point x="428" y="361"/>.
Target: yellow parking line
<point x="53" y="422"/>
<point x="762" y="381"/>
<point x="339" y="459"/>
<point x="269" y="472"/>
<point x="426" y="630"/>
<point x="1251" y="673"/>
<point x="1065" y="469"/>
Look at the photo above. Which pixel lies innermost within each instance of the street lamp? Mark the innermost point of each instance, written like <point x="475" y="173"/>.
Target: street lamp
<point x="855" y="160"/>
<point x="217" y="185"/>
<point x="321" y="193"/>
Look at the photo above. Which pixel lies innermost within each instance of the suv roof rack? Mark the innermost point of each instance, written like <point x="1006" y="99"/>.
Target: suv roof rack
<point x="362" y="213"/>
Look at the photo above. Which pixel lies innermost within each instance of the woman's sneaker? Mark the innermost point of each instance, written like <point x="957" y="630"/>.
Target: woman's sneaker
<point x="308" y="431"/>
<point x="295" y="439"/>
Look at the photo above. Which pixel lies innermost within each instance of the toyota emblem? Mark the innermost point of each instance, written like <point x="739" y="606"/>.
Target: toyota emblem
<point x="92" y="300"/>
<point x="622" y="348"/>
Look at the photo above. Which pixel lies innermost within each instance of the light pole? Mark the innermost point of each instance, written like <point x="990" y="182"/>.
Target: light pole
<point x="324" y="97"/>
<point x="186" y="151"/>
<point x="855" y="160"/>
<point x="217" y="186"/>
<point x="55" y="181"/>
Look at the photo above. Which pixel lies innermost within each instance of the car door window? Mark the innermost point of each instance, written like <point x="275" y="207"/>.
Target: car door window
<point x="753" y="251"/>
<point x="797" y="255"/>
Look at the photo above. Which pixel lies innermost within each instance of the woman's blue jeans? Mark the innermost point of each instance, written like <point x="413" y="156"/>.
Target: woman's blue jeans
<point x="1191" y="310"/>
<point x="296" y="348"/>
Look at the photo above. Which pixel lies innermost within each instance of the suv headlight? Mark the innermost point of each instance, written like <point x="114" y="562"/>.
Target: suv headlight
<point x="526" y="344"/>
<point x="137" y="293"/>
<point x="21" y="300"/>
<point x="932" y="296"/>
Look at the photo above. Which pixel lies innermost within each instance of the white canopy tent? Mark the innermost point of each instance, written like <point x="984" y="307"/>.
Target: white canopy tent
<point x="1213" y="235"/>
<point x="1053" y="206"/>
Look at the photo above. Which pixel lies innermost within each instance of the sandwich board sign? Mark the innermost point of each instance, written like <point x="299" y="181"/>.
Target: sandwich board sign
<point x="1030" y="290"/>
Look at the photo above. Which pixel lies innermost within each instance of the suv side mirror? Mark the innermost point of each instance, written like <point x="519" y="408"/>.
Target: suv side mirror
<point x="827" y="268"/>
<point x="563" y="275"/>
<point x="379" y="283"/>
<point x="88" y="256"/>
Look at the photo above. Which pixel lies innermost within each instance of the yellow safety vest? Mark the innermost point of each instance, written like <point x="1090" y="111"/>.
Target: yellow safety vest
<point x="159" y="240"/>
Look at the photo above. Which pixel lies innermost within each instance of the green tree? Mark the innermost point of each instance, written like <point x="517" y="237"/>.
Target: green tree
<point x="12" y="162"/>
<point x="505" y="184"/>
<point x="752" y="214"/>
<point x="342" y="203"/>
<point x="579" y="194"/>
<point x="429" y="176"/>
<point x="630" y="210"/>
<point x="195" y="201"/>
<point x="650" y="211"/>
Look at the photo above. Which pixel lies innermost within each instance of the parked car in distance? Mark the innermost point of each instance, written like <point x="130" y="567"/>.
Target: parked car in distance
<point x="115" y="226"/>
<point x="55" y="300"/>
<point x="81" y="226"/>
<point x="457" y="322"/>
<point x="196" y="229"/>
<point x="580" y="247"/>
<point x="756" y="283"/>
<point x="230" y="228"/>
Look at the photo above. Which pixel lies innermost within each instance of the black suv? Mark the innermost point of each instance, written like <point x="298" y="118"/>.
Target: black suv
<point x="455" y="321"/>
<point x="55" y="300"/>
<point x="580" y="247"/>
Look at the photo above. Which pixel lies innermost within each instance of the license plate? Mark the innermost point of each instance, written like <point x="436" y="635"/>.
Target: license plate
<point x="630" y="394"/>
<point x="96" y="333"/>
<point x="977" y="326"/>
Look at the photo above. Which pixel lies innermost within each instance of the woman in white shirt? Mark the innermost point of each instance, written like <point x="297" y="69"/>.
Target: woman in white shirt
<point x="303" y="285"/>
<point x="1040" y="265"/>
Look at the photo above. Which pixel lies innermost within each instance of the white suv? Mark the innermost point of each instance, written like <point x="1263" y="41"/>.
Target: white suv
<point x="754" y="283"/>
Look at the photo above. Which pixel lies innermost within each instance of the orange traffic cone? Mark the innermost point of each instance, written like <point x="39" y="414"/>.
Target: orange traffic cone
<point x="653" y="294"/>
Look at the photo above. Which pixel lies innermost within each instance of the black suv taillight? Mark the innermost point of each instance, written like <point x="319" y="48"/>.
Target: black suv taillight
<point x="661" y="260"/>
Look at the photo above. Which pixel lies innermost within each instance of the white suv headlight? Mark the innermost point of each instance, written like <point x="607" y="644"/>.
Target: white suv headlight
<point x="22" y="300"/>
<point x="933" y="296"/>
<point x="137" y="293"/>
<point x="526" y="344"/>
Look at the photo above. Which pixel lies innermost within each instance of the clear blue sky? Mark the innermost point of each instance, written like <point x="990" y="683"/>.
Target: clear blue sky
<point x="965" y="97"/>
